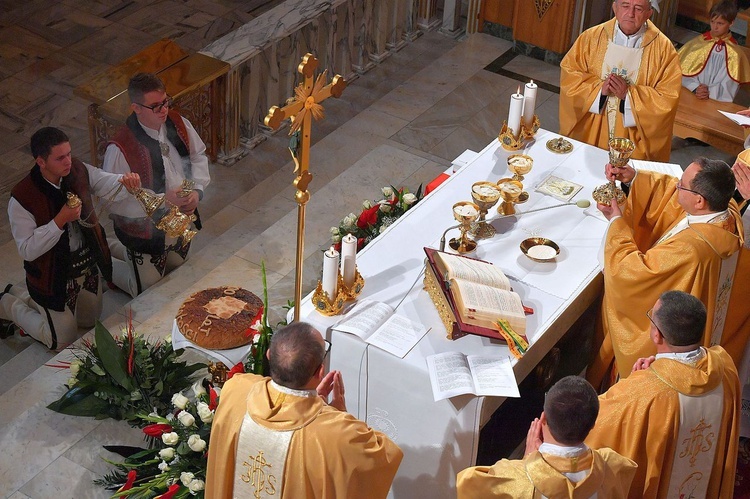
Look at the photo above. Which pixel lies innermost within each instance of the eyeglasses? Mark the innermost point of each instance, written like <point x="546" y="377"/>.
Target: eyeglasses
<point x="159" y="106"/>
<point x="649" y="315"/>
<point x="681" y="188"/>
<point x="327" y="348"/>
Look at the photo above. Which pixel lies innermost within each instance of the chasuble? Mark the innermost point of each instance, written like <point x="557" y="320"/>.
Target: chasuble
<point x="679" y="422"/>
<point x="274" y="442"/>
<point x="640" y="264"/>
<point x="653" y="97"/>
<point x="541" y="475"/>
<point x="737" y="325"/>
<point x="718" y="63"/>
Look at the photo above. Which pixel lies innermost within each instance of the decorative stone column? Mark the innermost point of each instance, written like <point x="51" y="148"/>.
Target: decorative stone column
<point x="427" y="18"/>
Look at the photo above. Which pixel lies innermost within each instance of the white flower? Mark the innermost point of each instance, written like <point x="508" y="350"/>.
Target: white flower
<point x="167" y="454"/>
<point x="186" y="418"/>
<point x="196" y="443"/>
<point x="196" y="486"/>
<point x="168" y="338"/>
<point x="385" y="207"/>
<point x="179" y="400"/>
<point x="136" y="395"/>
<point x="170" y="438"/>
<point x="350" y="221"/>
<point x="75" y="366"/>
<point x="336" y="239"/>
<point x="205" y="413"/>
<point x="186" y="477"/>
<point x="163" y="466"/>
<point x="366" y="204"/>
<point x="409" y="198"/>
<point x="387" y="192"/>
<point x="334" y="231"/>
<point x="198" y="389"/>
<point x="72" y="381"/>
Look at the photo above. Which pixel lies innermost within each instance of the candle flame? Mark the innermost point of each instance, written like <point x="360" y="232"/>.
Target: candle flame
<point x="532" y="82"/>
<point x="519" y="89"/>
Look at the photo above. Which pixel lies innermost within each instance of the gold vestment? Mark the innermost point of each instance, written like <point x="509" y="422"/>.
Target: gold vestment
<point x="331" y="454"/>
<point x="653" y="98"/>
<point x="637" y="270"/>
<point x="695" y="53"/>
<point x="541" y="474"/>
<point x="639" y="418"/>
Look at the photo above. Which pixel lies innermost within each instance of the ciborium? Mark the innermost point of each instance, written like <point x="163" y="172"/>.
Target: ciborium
<point x="485" y="196"/>
<point x="519" y="165"/>
<point x="149" y="201"/>
<point x="510" y="191"/>
<point x="177" y="224"/>
<point x="465" y="213"/>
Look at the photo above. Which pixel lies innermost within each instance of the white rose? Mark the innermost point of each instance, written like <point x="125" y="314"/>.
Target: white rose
<point x="186" y="418"/>
<point x="179" y="400"/>
<point x="366" y="204"/>
<point x="170" y="438"/>
<point x="198" y="389"/>
<point x="205" y="413"/>
<point x="72" y="381"/>
<point x="385" y="207"/>
<point x="168" y="338"/>
<point x="387" y="192"/>
<point x="334" y="231"/>
<point x="336" y="239"/>
<point x="409" y="198"/>
<point x="196" y="486"/>
<point x="167" y="454"/>
<point x="186" y="477"/>
<point x="75" y="366"/>
<point x="163" y="466"/>
<point x="196" y="443"/>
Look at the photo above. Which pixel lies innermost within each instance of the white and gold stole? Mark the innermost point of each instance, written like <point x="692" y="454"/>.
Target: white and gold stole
<point x="624" y="62"/>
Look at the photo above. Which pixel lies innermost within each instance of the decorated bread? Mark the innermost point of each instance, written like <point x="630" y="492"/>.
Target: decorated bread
<point x="220" y="318"/>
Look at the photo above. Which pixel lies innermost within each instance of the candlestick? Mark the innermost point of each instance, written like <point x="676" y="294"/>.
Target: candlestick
<point x="514" y="114"/>
<point x="529" y="103"/>
<point x="348" y="259"/>
<point x="330" y="272"/>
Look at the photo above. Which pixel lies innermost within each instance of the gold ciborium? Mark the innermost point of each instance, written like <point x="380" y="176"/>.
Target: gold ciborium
<point x="149" y="201"/>
<point x="519" y="165"/>
<point x="177" y="224"/>
<point x="485" y="196"/>
<point x="510" y="191"/>
<point x="466" y="213"/>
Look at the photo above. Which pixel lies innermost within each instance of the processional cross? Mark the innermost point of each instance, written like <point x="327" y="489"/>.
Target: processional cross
<point x="305" y="103"/>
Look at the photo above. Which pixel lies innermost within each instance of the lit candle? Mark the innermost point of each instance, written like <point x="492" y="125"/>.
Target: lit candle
<point x="348" y="259"/>
<point x="330" y="272"/>
<point x="514" y="114"/>
<point x="529" y="103"/>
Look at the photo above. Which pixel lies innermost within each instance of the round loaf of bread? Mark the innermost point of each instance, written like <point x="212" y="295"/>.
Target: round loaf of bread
<point x="220" y="318"/>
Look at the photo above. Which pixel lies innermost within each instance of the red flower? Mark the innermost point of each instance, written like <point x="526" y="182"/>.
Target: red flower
<point x="337" y="247"/>
<point x="213" y="397"/>
<point x="238" y="368"/>
<point x="170" y="492"/>
<point x="157" y="430"/>
<point x="128" y="483"/>
<point x="368" y="217"/>
<point x="360" y="243"/>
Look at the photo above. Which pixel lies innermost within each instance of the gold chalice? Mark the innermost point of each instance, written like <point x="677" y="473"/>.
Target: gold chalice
<point x="485" y="196"/>
<point x="620" y="150"/>
<point x="510" y="191"/>
<point x="519" y="165"/>
<point x="465" y="212"/>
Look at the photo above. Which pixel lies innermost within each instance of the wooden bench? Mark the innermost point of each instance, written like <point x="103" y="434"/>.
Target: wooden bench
<point x="195" y="82"/>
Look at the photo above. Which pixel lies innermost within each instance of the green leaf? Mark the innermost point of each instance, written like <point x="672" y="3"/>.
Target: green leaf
<point x="112" y="357"/>
<point x="78" y="402"/>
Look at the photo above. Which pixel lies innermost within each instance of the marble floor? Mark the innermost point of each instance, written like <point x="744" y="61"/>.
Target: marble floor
<point x="402" y="123"/>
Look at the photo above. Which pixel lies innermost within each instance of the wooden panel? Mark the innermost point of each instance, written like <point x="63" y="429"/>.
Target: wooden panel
<point x="553" y="31"/>
<point x="695" y="9"/>
<point x="699" y="119"/>
<point x="498" y="11"/>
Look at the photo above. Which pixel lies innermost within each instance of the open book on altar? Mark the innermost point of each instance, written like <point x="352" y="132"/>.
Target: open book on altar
<point x="477" y="293"/>
<point x="377" y="324"/>
<point x="453" y="373"/>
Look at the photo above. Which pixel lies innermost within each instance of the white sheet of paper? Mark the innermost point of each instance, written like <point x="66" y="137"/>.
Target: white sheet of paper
<point x="493" y="375"/>
<point x="654" y="166"/>
<point x="449" y="375"/>
<point x="737" y="118"/>
<point x="397" y="335"/>
<point x="364" y="318"/>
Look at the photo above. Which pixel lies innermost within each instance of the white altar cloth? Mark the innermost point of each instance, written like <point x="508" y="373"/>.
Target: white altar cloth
<point x="394" y="395"/>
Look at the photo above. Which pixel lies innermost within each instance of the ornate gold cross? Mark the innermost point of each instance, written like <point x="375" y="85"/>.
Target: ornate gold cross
<point x="305" y="104"/>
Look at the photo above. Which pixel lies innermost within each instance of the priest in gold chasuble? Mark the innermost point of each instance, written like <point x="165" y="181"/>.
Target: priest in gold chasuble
<point x="272" y="441"/>
<point x="622" y="78"/>
<point x="677" y="415"/>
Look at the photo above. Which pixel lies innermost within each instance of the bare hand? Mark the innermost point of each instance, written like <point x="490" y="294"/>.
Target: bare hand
<point x="67" y="214"/>
<point x="173" y="198"/>
<point x="131" y="181"/>
<point x="333" y="384"/>
<point x="190" y="202"/>
<point x="615" y="85"/>
<point x="702" y="92"/>
<point x="611" y="211"/>
<point x="643" y="363"/>
<point x="622" y="173"/>
<point x="742" y="177"/>
<point x="534" y="437"/>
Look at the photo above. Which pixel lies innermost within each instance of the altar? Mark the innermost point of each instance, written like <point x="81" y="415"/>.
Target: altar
<point x="394" y="395"/>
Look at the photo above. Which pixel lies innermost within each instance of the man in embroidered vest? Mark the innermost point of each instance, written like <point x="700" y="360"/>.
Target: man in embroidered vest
<point x="556" y="463"/>
<point x="670" y="235"/>
<point x="164" y="148"/>
<point x="622" y="78"/>
<point x="63" y="247"/>
<point x="677" y="415"/>
<point x="277" y="436"/>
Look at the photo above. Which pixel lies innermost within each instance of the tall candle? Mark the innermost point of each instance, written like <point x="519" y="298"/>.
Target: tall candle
<point x="529" y="103"/>
<point x="330" y="272"/>
<point x="348" y="259"/>
<point x="514" y="114"/>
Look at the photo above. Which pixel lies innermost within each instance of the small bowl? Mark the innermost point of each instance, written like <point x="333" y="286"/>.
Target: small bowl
<point x="529" y="243"/>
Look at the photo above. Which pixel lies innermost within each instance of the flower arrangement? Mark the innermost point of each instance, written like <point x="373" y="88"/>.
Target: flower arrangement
<point x="375" y="216"/>
<point x="176" y="465"/>
<point x="122" y="377"/>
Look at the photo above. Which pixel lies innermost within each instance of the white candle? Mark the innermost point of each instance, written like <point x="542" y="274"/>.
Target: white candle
<point x="514" y="114"/>
<point x="330" y="272"/>
<point x="348" y="259"/>
<point x="529" y="103"/>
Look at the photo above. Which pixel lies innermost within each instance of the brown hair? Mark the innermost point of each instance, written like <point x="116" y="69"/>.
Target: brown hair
<point x="726" y="9"/>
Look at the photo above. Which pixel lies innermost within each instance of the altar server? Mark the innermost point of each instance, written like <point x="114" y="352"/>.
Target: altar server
<point x="622" y="79"/>
<point x="557" y="463"/>
<point x="677" y="416"/>
<point x="277" y="436"/>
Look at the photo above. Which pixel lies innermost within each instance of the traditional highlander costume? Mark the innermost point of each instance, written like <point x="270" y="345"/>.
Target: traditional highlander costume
<point x="717" y="63"/>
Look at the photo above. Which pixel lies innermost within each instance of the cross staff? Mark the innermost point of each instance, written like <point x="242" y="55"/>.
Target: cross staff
<point x="306" y="103"/>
